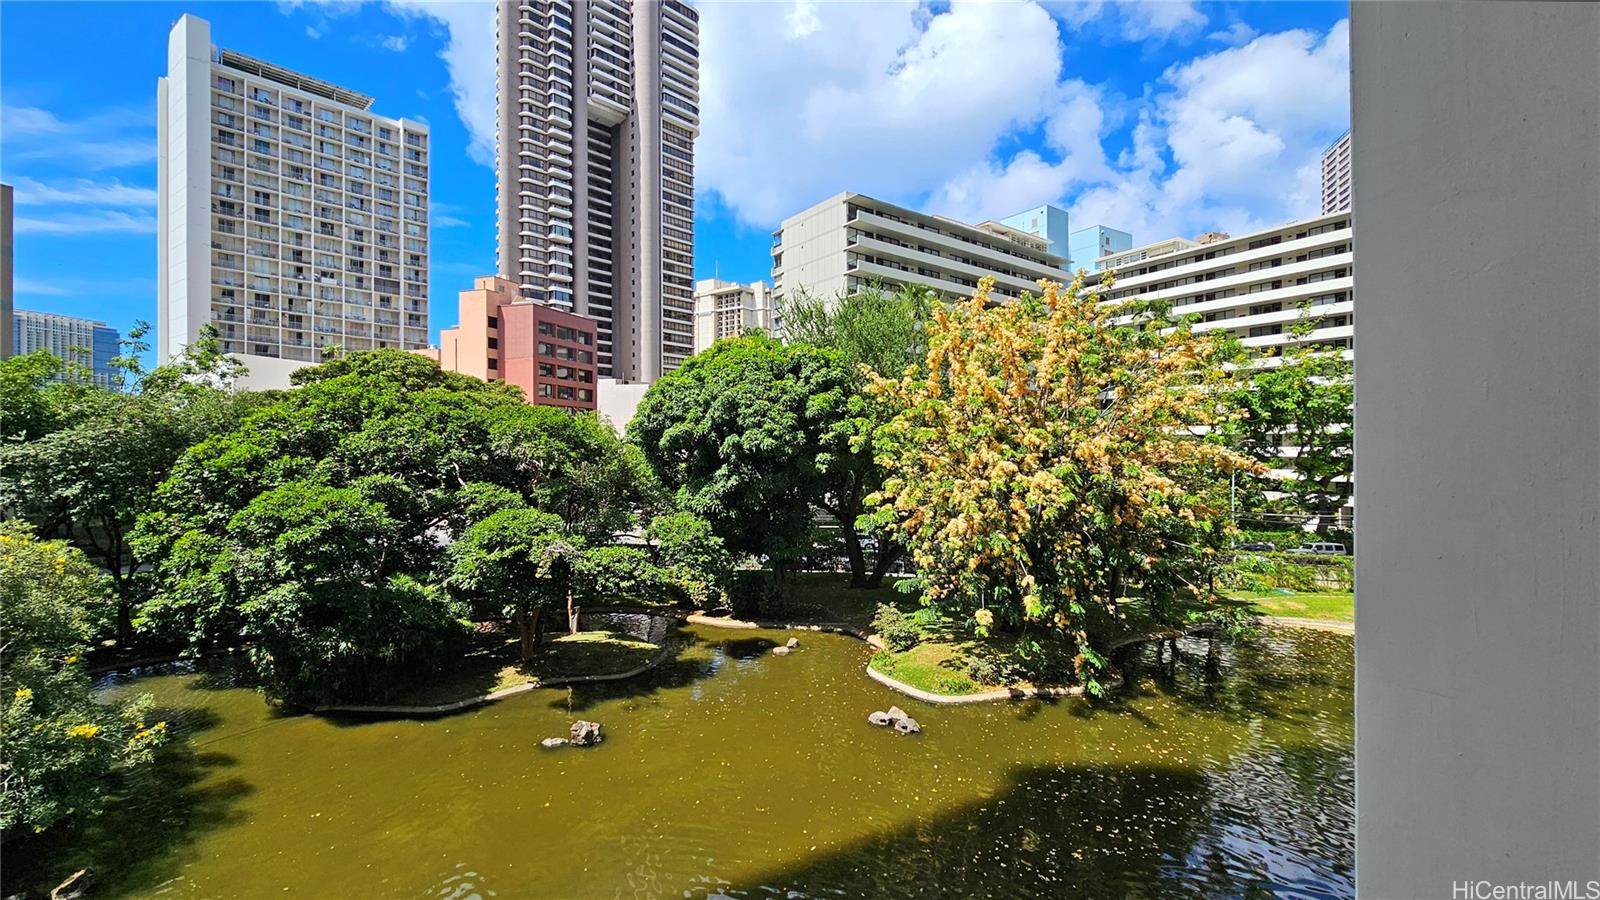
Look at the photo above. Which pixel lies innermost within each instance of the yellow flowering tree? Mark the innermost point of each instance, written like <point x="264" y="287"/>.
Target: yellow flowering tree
<point x="58" y="746"/>
<point x="1058" y="461"/>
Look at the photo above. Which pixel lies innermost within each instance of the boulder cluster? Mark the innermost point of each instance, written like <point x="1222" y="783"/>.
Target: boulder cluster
<point x="794" y="643"/>
<point x="897" y="718"/>
<point x="584" y="734"/>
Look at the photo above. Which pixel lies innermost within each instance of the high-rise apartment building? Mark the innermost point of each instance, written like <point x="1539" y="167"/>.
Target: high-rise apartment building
<point x="1254" y="285"/>
<point x="849" y="241"/>
<point x="1336" y="176"/>
<point x="728" y="309"/>
<point x="598" y="112"/>
<point x="1046" y="221"/>
<point x="545" y="350"/>
<point x="5" y="271"/>
<point x="81" y="342"/>
<point x="291" y="216"/>
<point x="1086" y="246"/>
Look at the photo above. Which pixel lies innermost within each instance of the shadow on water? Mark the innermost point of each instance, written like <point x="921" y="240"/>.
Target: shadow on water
<point x="146" y="833"/>
<point x="1097" y="830"/>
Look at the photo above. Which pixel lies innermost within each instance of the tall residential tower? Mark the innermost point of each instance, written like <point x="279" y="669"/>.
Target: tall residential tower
<point x="1336" y="180"/>
<point x="598" y="111"/>
<point x="291" y="216"/>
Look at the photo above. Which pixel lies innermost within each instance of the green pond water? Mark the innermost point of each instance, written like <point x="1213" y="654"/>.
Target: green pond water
<point x="733" y="772"/>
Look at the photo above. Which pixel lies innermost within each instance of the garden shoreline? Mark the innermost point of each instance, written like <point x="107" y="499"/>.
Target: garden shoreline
<point x="698" y="618"/>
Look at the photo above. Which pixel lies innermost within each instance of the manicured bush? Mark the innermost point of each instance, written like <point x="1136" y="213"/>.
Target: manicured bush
<point x="898" y="630"/>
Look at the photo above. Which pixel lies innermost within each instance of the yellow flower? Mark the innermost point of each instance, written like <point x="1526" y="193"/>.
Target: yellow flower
<point x="24" y="693"/>
<point x="84" y="731"/>
<point x="71" y="660"/>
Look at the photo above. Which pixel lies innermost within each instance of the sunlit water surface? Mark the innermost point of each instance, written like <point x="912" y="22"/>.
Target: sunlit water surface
<point x="733" y="772"/>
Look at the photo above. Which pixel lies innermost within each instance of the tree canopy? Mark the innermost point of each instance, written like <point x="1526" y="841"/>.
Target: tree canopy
<point x="1295" y="415"/>
<point x="875" y="332"/>
<point x="736" y="433"/>
<point x="318" y="528"/>
<point x="1054" y="455"/>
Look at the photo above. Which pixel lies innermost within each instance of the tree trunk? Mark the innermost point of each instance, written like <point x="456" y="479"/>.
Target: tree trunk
<point x="852" y="552"/>
<point x="528" y="629"/>
<point x="572" y="615"/>
<point x="124" y="622"/>
<point x="888" y="553"/>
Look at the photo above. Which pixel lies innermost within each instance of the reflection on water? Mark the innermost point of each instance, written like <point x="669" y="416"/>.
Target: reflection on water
<point x="734" y="773"/>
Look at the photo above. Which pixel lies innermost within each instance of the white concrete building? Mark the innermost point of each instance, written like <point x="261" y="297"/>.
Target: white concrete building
<point x="1253" y="285"/>
<point x="291" y="215"/>
<point x="850" y="240"/>
<point x="598" y="112"/>
<point x="728" y="309"/>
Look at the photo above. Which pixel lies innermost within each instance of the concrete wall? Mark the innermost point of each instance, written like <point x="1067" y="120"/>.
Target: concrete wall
<point x="1477" y="188"/>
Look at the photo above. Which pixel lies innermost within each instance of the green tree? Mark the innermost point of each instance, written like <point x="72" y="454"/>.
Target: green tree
<point x="321" y="578"/>
<point x="874" y="332"/>
<point x="692" y="556"/>
<point x="393" y="461"/>
<point x="736" y="433"/>
<point x="524" y="559"/>
<point x="1055" y="457"/>
<point x="1296" y="415"/>
<point x="90" y="461"/>
<point x="58" y="746"/>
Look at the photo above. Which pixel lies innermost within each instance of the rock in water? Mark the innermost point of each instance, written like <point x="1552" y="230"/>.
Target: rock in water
<point x="793" y="643"/>
<point x="552" y="743"/>
<point x="880" y="718"/>
<point x="907" y="725"/>
<point x="780" y="651"/>
<point x="586" y="734"/>
<point x="896" y="714"/>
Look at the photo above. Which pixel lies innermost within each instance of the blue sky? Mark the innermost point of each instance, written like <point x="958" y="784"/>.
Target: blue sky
<point x="1159" y="118"/>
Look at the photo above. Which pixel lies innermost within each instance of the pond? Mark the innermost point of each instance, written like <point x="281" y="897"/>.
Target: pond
<point x="734" y="772"/>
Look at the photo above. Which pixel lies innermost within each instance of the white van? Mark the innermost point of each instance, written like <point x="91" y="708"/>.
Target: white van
<point x="1321" y="549"/>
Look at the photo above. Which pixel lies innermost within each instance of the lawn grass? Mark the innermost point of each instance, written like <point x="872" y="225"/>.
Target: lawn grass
<point x="933" y="666"/>
<point x="941" y="663"/>
<point x="1327" y="606"/>
<point x="491" y="664"/>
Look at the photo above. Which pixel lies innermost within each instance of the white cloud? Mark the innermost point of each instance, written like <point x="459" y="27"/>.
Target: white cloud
<point x="1160" y="19"/>
<point x="82" y="191"/>
<point x="1073" y="127"/>
<point x="96" y="222"/>
<point x="1133" y="20"/>
<point x="313" y="33"/>
<point x="109" y="139"/>
<point x="1235" y="34"/>
<point x="396" y="42"/>
<point x="1244" y="129"/>
<point x="469" y="56"/>
<point x="877" y="97"/>
<point x="27" y="287"/>
<point x="447" y="222"/>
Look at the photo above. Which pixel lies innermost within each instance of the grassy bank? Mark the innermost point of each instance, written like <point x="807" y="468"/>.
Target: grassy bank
<point x="949" y="664"/>
<point x="492" y="664"/>
<point x="1327" y="606"/>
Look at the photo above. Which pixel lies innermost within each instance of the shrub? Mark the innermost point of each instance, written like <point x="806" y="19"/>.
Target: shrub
<point x="995" y="669"/>
<point x="898" y="630"/>
<point x="59" y="744"/>
<point x="754" y="590"/>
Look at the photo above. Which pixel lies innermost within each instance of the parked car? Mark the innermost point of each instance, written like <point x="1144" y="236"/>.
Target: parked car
<point x="1321" y="548"/>
<point x="1262" y="546"/>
